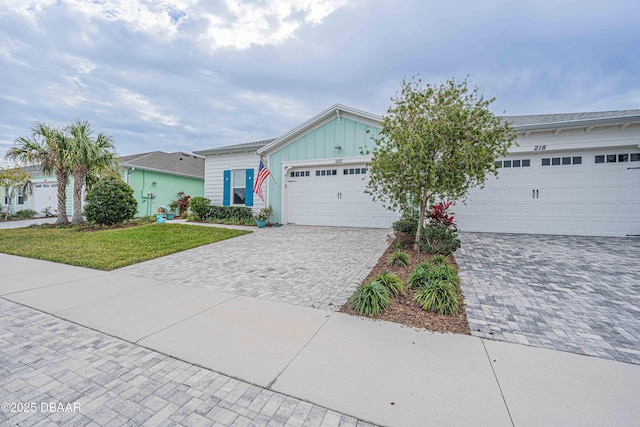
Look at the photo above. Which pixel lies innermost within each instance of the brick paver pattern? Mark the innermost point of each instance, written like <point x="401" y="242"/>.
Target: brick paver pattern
<point x="570" y="293"/>
<point x="45" y="360"/>
<point x="317" y="267"/>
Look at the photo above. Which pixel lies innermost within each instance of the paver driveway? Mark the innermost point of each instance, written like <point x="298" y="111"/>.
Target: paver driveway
<point x="316" y="267"/>
<point x="577" y="294"/>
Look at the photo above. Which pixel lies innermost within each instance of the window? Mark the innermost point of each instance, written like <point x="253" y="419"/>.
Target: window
<point x="566" y="160"/>
<point x="611" y="158"/>
<point x="623" y="157"/>
<point x="317" y="173"/>
<point x="238" y="186"/>
<point x="516" y="163"/>
<point x="20" y="196"/>
<point x="526" y="163"/>
<point x="555" y="161"/>
<point x="354" y="171"/>
<point x="577" y="160"/>
<point x="507" y="163"/>
<point x="599" y="159"/>
<point x="546" y="162"/>
<point x="499" y="164"/>
<point x="635" y="157"/>
<point x="346" y="172"/>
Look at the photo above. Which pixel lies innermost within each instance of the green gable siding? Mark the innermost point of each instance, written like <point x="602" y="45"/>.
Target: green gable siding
<point x="318" y="144"/>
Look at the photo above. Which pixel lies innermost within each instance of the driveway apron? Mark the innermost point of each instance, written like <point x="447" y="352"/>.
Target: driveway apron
<point x="570" y="293"/>
<point x="317" y="267"/>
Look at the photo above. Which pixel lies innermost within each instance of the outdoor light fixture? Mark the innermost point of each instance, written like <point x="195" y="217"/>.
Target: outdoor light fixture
<point x="338" y="147"/>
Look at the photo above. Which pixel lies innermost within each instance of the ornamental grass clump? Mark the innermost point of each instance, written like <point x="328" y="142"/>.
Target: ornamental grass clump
<point x="392" y="282"/>
<point x="419" y="277"/>
<point x="370" y="299"/>
<point x="440" y="297"/>
<point x="437" y="260"/>
<point x="444" y="272"/>
<point x="398" y="259"/>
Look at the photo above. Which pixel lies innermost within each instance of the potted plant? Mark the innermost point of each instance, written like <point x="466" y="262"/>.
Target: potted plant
<point x="263" y="216"/>
<point x="173" y="207"/>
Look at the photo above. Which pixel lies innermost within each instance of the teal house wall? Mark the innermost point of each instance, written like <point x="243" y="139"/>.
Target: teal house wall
<point x="165" y="186"/>
<point x="319" y="143"/>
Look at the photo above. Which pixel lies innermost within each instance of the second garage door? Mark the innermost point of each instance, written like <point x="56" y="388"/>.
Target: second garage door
<point x="333" y="196"/>
<point x="578" y="193"/>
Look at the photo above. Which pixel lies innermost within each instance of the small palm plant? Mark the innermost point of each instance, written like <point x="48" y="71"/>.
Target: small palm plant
<point x="398" y="258"/>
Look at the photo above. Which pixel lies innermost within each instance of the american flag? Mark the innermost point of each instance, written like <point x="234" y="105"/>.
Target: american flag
<point x="263" y="173"/>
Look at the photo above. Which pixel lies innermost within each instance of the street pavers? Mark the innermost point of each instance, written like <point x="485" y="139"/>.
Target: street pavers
<point x="570" y="293"/>
<point x="317" y="267"/>
<point x="49" y="362"/>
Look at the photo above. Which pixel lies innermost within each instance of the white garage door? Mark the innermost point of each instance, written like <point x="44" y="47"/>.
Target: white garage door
<point x="334" y="196"/>
<point x="44" y="196"/>
<point x="581" y="193"/>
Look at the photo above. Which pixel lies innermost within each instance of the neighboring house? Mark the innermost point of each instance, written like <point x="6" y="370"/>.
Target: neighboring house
<point x="44" y="195"/>
<point x="570" y="174"/>
<point x="157" y="177"/>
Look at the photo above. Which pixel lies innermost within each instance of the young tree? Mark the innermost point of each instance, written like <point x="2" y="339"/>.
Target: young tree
<point x="87" y="157"/>
<point x="436" y="140"/>
<point x="12" y="181"/>
<point x="46" y="148"/>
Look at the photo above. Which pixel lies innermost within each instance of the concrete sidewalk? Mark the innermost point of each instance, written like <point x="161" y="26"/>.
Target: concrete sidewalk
<point x="379" y="372"/>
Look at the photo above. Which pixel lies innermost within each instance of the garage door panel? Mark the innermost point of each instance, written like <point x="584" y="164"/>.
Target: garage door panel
<point x="334" y="199"/>
<point x="585" y="198"/>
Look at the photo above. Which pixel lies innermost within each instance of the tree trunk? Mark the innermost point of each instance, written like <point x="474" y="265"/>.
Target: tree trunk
<point x="61" y="178"/>
<point x="78" y="180"/>
<point x="423" y="208"/>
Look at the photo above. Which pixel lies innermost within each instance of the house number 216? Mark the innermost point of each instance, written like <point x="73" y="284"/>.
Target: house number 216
<point x="539" y="147"/>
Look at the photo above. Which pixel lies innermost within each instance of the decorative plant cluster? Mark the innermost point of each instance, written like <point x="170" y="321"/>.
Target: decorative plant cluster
<point x="264" y="214"/>
<point x="434" y="285"/>
<point x="439" y="236"/>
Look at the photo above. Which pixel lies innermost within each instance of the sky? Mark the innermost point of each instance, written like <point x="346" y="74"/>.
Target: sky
<point x="187" y="75"/>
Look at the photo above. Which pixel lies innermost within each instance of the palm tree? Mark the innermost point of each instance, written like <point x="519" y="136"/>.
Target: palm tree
<point x="87" y="158"/>
<point x="46" y="147"/>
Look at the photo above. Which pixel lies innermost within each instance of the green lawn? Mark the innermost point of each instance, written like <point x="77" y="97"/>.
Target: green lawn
<point x="109" y="249"/>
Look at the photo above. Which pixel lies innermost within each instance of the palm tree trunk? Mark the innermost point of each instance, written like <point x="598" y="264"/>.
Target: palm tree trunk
<point x="61" y="178"/>
<point x="78" y="180"/>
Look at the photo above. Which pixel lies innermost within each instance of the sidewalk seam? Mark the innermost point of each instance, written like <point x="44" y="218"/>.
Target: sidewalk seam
<point x="506" y="406"/>
<point x="185" y="319"/>
<point x="271" y="384"/>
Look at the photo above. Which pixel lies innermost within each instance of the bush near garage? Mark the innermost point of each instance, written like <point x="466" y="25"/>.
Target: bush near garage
<point x="240" y="214"/>
<point x="200" y="207"/>
<point x="24" y="214"/>
<point x="110" y="202"/>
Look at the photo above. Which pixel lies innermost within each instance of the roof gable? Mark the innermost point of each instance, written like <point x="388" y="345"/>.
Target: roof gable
<point x="336" y="110"/>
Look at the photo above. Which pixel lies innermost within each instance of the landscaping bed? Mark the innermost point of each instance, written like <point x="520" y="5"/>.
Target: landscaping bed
<point x="402" y="308"/>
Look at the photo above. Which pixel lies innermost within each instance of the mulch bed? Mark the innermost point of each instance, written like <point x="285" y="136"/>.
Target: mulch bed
<point x="403" y="309"/>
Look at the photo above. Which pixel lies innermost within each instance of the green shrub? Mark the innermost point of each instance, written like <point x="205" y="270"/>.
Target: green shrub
<point x="200" y="207"/>
<point x="392" y="282"/>
<point x="406" y="225"/>
<point x="398" y="258"/>
<point x="370" y="299"/>
<point x="24" y="214"/>
<point x="440" y="297"/>
<point x="110" y="201"/>
<point x="238" y="214"/>
<point x="439" y="239"/>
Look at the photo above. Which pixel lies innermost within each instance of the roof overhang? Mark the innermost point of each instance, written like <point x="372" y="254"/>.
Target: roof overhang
<point x="129" y="165"/>
<point x="228" y="150"/>
<point x="588" y="124"/>
<point x="337" y="110"/>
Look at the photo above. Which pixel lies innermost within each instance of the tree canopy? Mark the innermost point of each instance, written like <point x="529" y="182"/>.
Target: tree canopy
<point x="436" y="141"/>
<point x="12" y="181"/>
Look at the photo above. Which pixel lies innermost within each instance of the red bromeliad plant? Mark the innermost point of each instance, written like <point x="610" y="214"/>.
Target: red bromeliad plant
<point x="439" y="215"/>
<point x="183" y="201"/>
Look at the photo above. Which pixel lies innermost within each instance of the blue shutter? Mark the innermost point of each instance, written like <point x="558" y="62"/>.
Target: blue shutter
<point x="226" y="192"/>
<point x="248" y="200"/>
